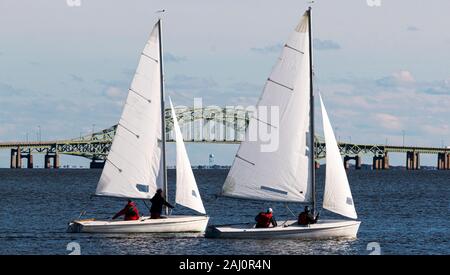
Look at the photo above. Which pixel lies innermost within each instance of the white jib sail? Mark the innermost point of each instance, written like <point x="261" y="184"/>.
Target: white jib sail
<point x="187" y="193"/>
<point x="337" y="195"/>
<point x="133" y="166"/>
<point x="282" y="174"/>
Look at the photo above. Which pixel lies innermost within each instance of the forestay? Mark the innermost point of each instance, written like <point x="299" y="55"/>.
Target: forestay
<point x="337" y="195"/>
<point x="187" y="193"/>
<point x="133" y="167"/>
<point x="282" y="174"/>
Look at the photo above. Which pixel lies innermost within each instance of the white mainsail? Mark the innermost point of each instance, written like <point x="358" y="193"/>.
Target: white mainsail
<point x="187" y="193"/>
<point x="337" y="195"/>
<point x="133" y="167"/>
<point x="284" y="174"/>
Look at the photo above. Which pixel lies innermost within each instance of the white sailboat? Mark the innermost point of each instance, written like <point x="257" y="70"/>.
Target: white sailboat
<point x="136" y="164"/>
<point x="288" y="174"/>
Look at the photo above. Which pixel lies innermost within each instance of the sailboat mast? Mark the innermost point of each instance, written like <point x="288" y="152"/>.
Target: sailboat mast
<point x="163" y="115"/>
<point x="311" y="116"/>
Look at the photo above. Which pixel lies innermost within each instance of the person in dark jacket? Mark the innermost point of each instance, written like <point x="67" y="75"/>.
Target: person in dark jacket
<point x="130" y="211"/>
<point x="265" y="219"/>
<point x="306" y="217"/>
<point x="158" y="201"/>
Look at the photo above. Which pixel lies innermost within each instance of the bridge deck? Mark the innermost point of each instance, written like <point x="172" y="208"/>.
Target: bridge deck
<point x="100" y="148"/>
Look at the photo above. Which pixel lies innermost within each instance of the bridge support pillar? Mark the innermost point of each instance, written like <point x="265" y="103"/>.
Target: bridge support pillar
<point x="346" y="162"/>
<point x="13" y="158"/>
<point x="412" y="160"/>
<point x="377" y="163"/>
<point x="440" y="161"/>
<point x="56" y="161"/>
<point x="235" y="125"/>
<point x="386" y="161"/>
<point x="48" y="161"/>
<point x="18" y="158"/>
<point x="416" y="161"/>
<point x="29" y="158"/>
<point x="443" y="161"/>
<point x="30" y="161"/>
<point x="409" y="160"/>
<point x="97" y="164"/>
<point x="358" y="162"/>
<point x="447" y="167"/>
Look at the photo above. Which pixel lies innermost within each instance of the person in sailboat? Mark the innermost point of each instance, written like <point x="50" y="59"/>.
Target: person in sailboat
<point x="306" y="217"/>
<point x="158" y="201"/>
<point x="265" y="219"/>
<point x="130" y="211"/>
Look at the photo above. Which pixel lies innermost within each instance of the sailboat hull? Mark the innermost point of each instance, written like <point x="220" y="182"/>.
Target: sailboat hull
<point x="172" y="224"/>
<point x="324" y="229"/>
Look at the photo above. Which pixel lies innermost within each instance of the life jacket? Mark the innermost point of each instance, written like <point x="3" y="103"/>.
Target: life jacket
<point x="303" y="218"/>
<point x="132" y="213"/>
<point x="264" y="220"/>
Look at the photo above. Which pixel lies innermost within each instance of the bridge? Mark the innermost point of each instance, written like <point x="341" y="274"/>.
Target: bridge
<point x="209" y="125"/>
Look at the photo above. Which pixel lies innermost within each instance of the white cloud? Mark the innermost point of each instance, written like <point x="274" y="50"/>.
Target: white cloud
<point x="114" y="92"/>
<point x="388" y="121"/>
<point x="403" y="76"/>
<point x="371" y="112"/>
<point x="397" y="79"/>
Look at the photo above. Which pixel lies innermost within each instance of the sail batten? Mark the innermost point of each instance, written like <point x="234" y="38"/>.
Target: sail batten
<point x="282" y="174"/>
<point x="133" y="168"/>
<point x="337" y="195"/>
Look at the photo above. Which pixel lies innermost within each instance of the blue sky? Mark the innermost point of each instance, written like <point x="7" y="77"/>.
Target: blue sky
<point x="381" y="69"/>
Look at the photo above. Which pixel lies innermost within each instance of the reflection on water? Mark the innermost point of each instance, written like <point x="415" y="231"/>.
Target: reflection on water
<point x="38" y="204"/>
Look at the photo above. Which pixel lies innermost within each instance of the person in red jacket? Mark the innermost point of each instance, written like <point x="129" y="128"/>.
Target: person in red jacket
<point x="265" y="219"/>
<point x="130" y="211"/>
<point x="306" y="217"/>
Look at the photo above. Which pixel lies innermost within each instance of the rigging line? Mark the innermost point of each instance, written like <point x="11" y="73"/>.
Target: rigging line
<point x="148" y="56"/>
<point x="282" y="85"/>
<point x="137" y="136"/>
<point x="83" y="212"/>
<point x="287" y="207"/>
<point x="149" y="101"/>
<point x="292" y="48"/>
